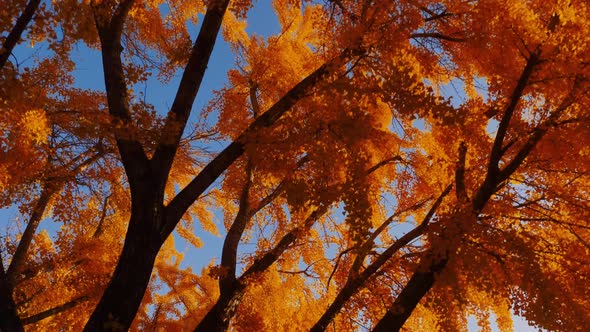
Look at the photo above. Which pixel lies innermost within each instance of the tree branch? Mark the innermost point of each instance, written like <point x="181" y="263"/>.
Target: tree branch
<point x="49" y="188"/>
<point x="132" y="154"/>
<point x="20" y="255"/>
<point x="270" y="257"/>
<point x="354" y="283"/>
<point x="432" y="263"/>
<point x="54" y="311"/>
<point x="490" y="184"/>
<point x="387" y="254"/>
<point x="119" y="17"/>
<point x="535" y="137"/>
<point x="368" y="244"/>
<point x="234" y="234"/>
<point x="437" y="35"/>
<point x="190" y="83"/>
<point x="496" y="154"/>
<point x="434" y="16"/>
<point x="100" y="227"/>
<point x="185" y="198"/>
<point x="15" y="34"/>
<point x="460" y="175"/>
<point x="419" y="284"/>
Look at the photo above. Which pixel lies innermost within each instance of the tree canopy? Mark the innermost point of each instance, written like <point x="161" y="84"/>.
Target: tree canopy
<point x="375" y="165"/>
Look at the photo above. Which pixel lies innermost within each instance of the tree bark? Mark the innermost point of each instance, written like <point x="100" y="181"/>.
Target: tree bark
<point x="122" y="297"/>
<point x="53" y="311"/>
<point x="420" y="283"/>
<point x="147" y="178"/>
<point x="9" y="320"/>
<point x="230" y="289"/>
<point x="219" y="317"/>
<point x="17" y="31"/>
<point x="20" y="255"/>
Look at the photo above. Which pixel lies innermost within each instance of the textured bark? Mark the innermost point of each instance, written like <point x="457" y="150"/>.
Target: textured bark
<point x="15" y="34"/>
<point x="122" y="297"/>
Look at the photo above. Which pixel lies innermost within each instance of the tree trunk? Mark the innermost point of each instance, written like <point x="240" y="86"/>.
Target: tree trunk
<point x="421" y="282"/>
<point x="219" y="317"/>
<point x="9" y="320"/>
<point x="122" y="297"/>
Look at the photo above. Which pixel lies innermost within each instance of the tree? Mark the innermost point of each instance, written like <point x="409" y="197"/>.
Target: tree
<point x="376" y="195"/>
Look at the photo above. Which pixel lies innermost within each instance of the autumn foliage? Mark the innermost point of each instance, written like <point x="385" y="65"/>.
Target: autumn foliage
<point x="375" y="164"/>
